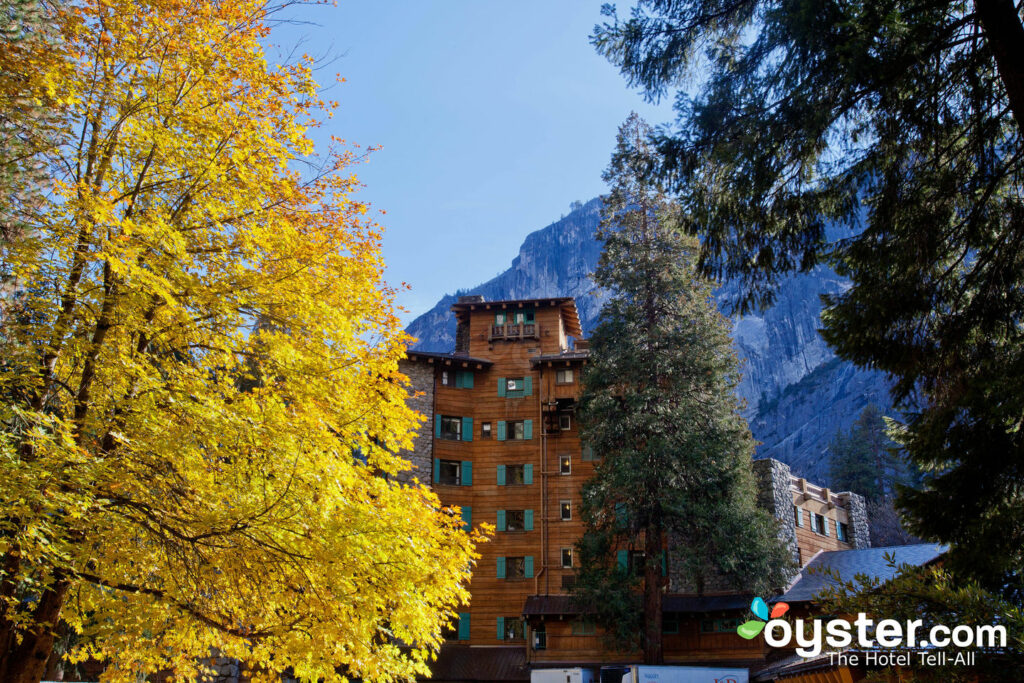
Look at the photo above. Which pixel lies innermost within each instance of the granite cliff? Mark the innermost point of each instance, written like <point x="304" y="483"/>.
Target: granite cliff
<point x="798" y="394"/>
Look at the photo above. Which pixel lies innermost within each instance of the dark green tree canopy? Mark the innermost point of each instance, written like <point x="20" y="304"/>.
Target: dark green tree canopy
<point x="659" y="408"/>
<point x="883" y="137"/>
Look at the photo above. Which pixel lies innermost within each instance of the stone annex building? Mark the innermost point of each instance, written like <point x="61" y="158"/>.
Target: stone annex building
<point x="503" y="445"/>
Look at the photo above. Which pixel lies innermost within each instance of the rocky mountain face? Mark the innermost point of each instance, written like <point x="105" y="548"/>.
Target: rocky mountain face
<point x="798" y="394"/>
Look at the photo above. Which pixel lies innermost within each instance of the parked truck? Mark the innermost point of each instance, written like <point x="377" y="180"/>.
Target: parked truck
<point x="640" y="673"/>
<point x="573" y="675"/>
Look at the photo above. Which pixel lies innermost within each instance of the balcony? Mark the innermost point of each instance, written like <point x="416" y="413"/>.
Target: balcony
<point x="512" y="331"/>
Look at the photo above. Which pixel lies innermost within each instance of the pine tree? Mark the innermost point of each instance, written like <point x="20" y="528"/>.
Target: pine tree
<point x="658" y="407"/>
<point x="885" y="138"/>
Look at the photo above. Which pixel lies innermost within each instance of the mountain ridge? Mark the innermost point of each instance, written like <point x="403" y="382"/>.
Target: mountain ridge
<point x="798" y="393"/>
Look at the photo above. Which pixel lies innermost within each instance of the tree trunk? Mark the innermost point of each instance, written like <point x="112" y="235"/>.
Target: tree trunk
<point x="1005" y="37"/>
<point x="653" y="650"/>
<point x="26" y="661"/>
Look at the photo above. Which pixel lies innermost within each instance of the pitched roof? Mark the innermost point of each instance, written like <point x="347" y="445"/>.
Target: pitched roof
<point x="464" y="663"/>
<point x="847" y="564"/>
<point x="569" y="313"/>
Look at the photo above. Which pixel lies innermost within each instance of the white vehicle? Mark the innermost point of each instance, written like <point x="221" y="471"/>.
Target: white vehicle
<point x="575" y="675"/>
<point x="640" y="673"/>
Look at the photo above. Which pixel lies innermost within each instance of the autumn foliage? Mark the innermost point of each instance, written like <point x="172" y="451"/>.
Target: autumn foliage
<point x="202" y="403"/>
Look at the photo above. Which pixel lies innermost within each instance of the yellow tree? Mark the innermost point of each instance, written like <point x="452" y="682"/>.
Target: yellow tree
<point x="202" y="404"/>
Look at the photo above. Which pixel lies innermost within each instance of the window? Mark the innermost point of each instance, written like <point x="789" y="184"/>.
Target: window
<point x="568" y="582"/>
<point x="449" y="472"/>
<point x="515" y="520"/>
<point x="446" y="378"/>
<point x="485" y="430"/>
<point x="514" y="317"/>
<point x="514" y="475"/>
<point x="565" y="464"/>
<point x="670" y="622"/>
<point x="540" y="637"/>
<point x="460" y="629"/>
<point x="566" y="558"/>
<point x="451" y="428"/>
<point x="565" y="510"/>
<point x="842" y="532"/>
<point x="516" y="430"/>
<point x="719" y="625"/>
<point x="514" y="384"/>
<point x="563" y="377"/>
<point x="581" y="627"/>
<point x="515" y="568"/>
<point x="798" y="515"/>
<point x="514" y="628"/>
<point x="564" y="422"/>
<point x="818" y="524"/>
<point x="636" y="562"/>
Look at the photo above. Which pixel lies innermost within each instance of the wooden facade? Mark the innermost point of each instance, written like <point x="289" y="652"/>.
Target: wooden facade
<point x="506" y="450"/>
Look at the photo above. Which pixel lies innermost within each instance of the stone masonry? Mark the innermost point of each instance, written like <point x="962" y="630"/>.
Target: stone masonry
<point x="421" y="377"/>
<point x="858" y="511"/>
<point x="773" y="495"/>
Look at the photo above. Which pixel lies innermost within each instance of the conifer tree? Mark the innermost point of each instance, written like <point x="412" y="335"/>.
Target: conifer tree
<point x="658" y="407"/>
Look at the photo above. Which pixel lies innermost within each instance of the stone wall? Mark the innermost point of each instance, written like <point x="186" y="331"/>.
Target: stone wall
<point x="421" y="376"/>
<point x="773" y="495"/>
<point x="860" y="537"/>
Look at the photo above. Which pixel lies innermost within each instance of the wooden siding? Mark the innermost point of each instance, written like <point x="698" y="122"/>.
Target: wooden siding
<point x="493" y="597"/>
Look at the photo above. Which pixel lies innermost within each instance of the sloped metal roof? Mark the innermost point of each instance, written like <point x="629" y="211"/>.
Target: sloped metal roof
<point x="847" y="564"/>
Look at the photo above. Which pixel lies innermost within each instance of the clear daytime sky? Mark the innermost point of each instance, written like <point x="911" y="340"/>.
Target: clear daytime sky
<point x="492" y="118"/>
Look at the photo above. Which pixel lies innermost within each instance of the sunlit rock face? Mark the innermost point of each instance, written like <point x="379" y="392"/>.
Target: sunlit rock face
<point x="798" y="395"/>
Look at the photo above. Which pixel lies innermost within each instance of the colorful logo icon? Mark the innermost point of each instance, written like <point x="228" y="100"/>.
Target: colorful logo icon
<point x="750" y="629"/>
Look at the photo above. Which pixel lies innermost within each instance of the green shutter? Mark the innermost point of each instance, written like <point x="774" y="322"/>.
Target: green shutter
<point x="621" y="515"/>
<point x="463" y="625"/>
<point x="467" y="517"/>
<point x="623" y="560"/>
<point x="501" y="521"/>
<point x="501" y="387"/>
<point x="501" y="567"/>
<point x="528" y="566"/>
<point x="501" y="475"/>
<point x="527" y="474"/>
<point x="528" y="520"/>
<point x="467" y="429"/>
<point x="467" y="473"/>
<point x="826" y="520"/>
<point x="799" y="517"/>
<point x="527" y="429"/>
<point x="437" y="426"/>
<point x="501" y="628"/>
<point x="501" y="430"/>
<point x="527" y="386"/>
<point x="437" y="470"/>
<point x="464" y="379"/>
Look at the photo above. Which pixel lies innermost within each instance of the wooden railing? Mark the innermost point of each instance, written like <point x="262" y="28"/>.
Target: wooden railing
<point x="514" y="331"/>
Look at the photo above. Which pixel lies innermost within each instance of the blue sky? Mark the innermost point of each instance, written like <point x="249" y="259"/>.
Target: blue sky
<point x="492" y="117"/>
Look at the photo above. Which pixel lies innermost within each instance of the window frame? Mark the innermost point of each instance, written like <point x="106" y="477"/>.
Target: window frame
<point x="566" y="553"/>
<point x="519" y="562"/>
<point x="521" y="469"/>
<point x="445" y="435"/>
<point x="521" y="515"/>
<point x="560" y="373"/>
<point x="485" y="430"/>
<point x="458" y="472"/>
<point x="446" y="379"/>
<point x="564" y="464"/>
<point x="510" y="430"/>
<point x="514" y="629"/>
<point x="815" y="526"/>
<point x="564" y="422"/>
<point x="565" y="506"/>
